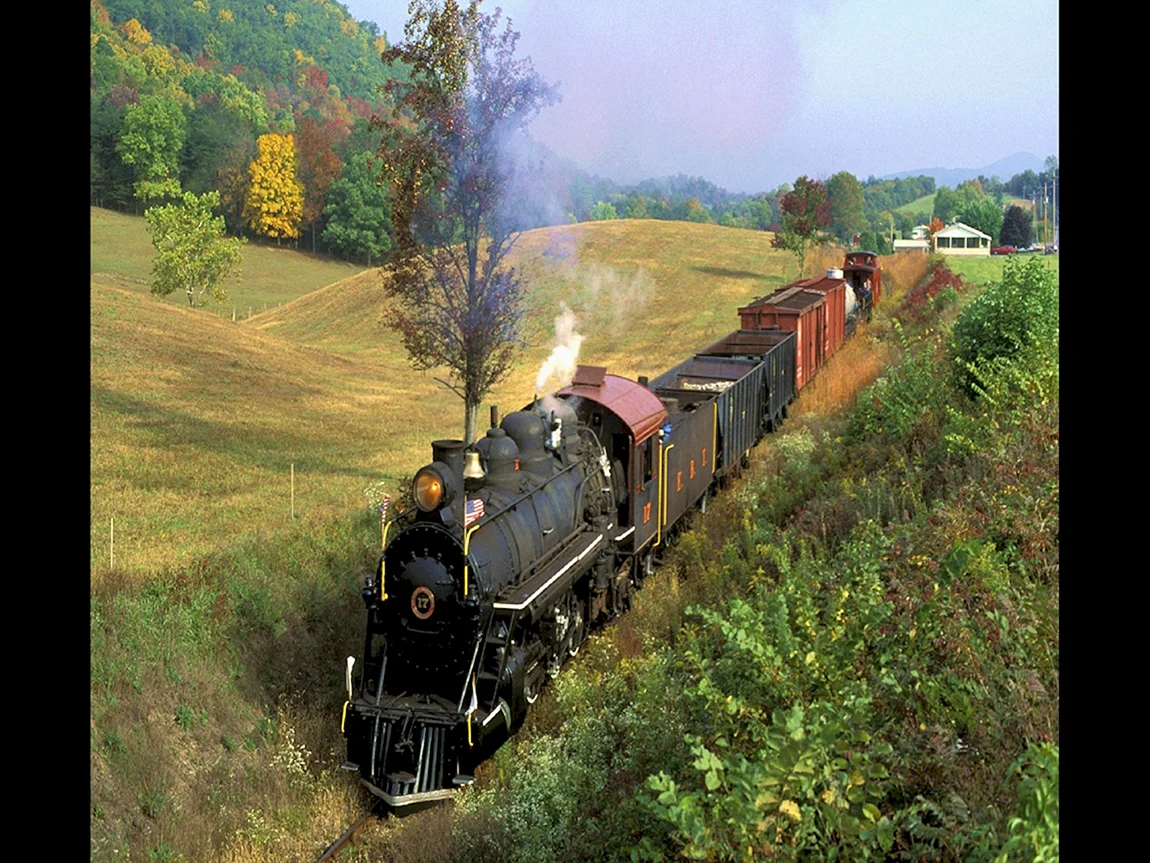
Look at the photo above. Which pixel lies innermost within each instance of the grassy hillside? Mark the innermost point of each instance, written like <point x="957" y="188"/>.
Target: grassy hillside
<point x="121" y="254"/>
<point x="924" y="204"/>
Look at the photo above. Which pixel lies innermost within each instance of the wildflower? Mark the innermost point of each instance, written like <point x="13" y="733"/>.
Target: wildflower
<point x="791" y="810"/>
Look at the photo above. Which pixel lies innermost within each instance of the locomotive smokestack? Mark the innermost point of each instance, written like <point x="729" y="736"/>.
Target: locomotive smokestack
<point x="495" y="416"/>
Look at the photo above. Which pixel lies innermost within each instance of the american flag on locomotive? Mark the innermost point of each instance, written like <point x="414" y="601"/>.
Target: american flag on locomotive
<point x="473" y="511"/>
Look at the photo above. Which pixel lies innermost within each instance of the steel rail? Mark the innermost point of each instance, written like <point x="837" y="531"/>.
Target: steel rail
<point x="347" y="838"/>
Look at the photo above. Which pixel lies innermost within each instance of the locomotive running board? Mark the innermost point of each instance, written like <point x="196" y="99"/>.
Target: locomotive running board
<point x="530" y="592"/>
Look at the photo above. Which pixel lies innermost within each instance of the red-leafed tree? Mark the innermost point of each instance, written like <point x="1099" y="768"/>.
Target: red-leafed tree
<point x="319" y="166"/>
<point x="444" y="153"/>
<point x="806" y="210"/>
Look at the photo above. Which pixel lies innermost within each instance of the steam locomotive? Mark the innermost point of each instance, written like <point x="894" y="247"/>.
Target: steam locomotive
<point x="521" y="543"/>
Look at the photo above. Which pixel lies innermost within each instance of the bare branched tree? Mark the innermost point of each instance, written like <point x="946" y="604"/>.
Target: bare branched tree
<point x="445" y="155"/>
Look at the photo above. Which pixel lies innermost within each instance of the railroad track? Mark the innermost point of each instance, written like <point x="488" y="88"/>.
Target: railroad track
<point x="347" y="838"/>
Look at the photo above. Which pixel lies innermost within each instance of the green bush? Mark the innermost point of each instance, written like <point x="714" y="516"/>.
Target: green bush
<point x="1010" y="318"/>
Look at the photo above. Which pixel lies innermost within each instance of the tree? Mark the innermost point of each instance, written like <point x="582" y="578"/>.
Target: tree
<point x="193" y="253"/>
<point x="319" y="167"/>
<point x="985" y="215"/>
<point x="693" y="211"/>
<point x="1016" y="226"/>
<point x="274" y="204"/>
<point x="603" y="211"/>
<point x="805" y="211"/>
<point x="848" y="207"/>
<point x="946" y="204"/>
<point x="458" y="306"/>
<point x="357" y="213"/>
<point x="151" y="142"/>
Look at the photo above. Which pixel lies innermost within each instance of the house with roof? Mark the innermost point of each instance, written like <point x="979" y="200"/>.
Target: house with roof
<point x="960" y="239"/>
<point x="922" y="246"/>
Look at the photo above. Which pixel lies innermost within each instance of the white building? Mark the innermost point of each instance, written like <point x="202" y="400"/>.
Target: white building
<point x="960" y="239"/>
<point x="916" y="245"/>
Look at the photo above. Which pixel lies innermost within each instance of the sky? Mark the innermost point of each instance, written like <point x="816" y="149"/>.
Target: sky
<point x="750" y="94"/>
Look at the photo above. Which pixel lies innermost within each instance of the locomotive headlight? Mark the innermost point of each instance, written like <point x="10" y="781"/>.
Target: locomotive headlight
<point x="428" y="490"/>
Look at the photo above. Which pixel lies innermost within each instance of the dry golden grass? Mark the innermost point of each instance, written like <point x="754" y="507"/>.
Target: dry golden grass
<point x="854" y="366"/>
<point x="900" y="273"/>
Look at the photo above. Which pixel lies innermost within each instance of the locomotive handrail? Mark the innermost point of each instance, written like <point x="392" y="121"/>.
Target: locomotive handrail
<point x="666" y="486"/>
<point x="714" y="438"/>
<point x="466" y="552"/>
<point x="383" y="562"/>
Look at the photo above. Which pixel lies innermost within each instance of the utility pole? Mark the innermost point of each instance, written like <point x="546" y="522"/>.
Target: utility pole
<point x="1054" y="204"/>
<point x="1045" y="216"/>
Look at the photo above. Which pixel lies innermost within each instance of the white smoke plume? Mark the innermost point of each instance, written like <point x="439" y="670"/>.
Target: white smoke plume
<point x="617" y="298"/>
<point x="564" y="356"/>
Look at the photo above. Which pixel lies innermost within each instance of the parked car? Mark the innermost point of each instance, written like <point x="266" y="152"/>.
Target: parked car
<point x="1003" y="250"/>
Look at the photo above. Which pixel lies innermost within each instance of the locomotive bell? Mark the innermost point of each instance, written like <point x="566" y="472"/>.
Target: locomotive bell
<point x="473" y="475"/>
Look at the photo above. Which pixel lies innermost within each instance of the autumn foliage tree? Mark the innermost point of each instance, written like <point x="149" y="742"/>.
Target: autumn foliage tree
<point x="445" y="155"/>
<point x="274" y="203"/>
<point x="805" y="212"/>
<point x="933" y="228"/>
<point x="319" y="167"/>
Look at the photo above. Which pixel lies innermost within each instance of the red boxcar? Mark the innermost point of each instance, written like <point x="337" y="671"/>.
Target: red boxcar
<point x="834" y="287"/>
<point x="797" y="310"/>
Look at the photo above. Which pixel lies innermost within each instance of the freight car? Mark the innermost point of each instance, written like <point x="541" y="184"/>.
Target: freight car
<point x="518" y="545"/>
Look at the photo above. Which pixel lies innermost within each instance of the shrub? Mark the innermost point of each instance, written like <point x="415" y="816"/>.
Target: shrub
<point x="1011" y="317"/>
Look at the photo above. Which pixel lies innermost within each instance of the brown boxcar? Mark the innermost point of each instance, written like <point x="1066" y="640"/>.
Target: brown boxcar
<point x="799" y="311"/>
<point x="834" y="287"/>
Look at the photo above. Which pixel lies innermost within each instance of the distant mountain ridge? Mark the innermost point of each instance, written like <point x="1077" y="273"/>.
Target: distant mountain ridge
<point x="1004" y="168"/>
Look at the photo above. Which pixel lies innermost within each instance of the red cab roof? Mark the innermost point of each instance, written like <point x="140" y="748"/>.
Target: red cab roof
<point x="638" y="407"/>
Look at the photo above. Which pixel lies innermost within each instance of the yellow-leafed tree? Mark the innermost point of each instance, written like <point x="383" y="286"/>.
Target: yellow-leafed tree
<point x="274" y="204"/>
